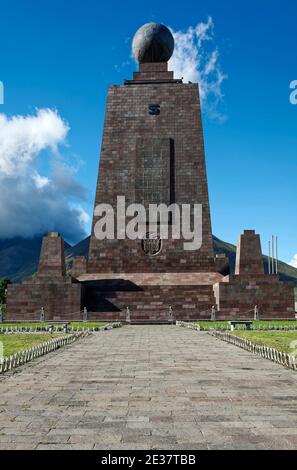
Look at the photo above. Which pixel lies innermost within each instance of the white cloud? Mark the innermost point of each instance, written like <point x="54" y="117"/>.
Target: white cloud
<point x="293" y="261"/>
<point x="22" y="138"/>
<point x="32" y="203"/>
<point x="40" y="181"/>
<point x="84" y="217"/>
<point x="196" y="59"/>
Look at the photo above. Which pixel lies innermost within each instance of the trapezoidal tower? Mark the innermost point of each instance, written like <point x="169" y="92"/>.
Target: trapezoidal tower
<point x="152" y="153"/>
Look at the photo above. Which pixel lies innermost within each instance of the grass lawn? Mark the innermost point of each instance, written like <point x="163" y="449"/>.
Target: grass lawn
<point x="87" y="324"/>
<point x="14" y="342"/>
<point x="23" y="325"/>
<point x="276" y="339"/>
<point x="212" y="324"/>
<point x="256" y="324"/>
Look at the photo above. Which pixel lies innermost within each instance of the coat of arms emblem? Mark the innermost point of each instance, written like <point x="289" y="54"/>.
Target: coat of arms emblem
<point x="151" y="244"/>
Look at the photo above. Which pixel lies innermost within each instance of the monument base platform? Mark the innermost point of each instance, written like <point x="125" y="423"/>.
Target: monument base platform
<point x="151" y="297"/>
<point x="148" y="296"/>
<point x="60" y="298"/>
<point x="237" y="295"/>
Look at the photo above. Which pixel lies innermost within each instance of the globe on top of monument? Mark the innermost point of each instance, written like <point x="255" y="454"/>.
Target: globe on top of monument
<point x="153" y="42"/>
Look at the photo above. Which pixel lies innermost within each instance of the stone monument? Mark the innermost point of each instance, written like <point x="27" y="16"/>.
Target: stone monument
<point x="152" y="153"/>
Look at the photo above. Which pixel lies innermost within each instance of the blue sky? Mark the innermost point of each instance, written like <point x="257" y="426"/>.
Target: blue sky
<point x="63" y="56"/>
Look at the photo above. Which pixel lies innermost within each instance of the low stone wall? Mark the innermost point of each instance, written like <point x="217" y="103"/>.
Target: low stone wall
<point x="285" y="359"/>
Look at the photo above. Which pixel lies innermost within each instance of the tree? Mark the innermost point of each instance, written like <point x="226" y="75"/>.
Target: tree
<point x="3" y="286"/>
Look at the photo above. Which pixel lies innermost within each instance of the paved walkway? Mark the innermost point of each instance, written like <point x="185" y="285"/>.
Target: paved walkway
<point x="160" y="387"/>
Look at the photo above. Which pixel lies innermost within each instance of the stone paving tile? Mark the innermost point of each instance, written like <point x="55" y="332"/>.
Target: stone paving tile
<point x="142" y="387"/>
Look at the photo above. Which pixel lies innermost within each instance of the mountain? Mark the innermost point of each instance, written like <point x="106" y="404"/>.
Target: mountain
<point x="19" y="257"/>
<point x="285" y="271"/>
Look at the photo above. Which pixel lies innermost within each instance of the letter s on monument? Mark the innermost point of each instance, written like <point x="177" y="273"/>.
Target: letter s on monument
<point x="293" y="95"/>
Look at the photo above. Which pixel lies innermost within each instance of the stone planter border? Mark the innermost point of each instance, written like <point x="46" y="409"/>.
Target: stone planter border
<point x="272" y="354"/>
<point x="56" y="329"/>
<point x="109" y="326"/>
<point x="191" y="326"/>
<point x="223" y="328"/>
<point x="22" y="357"/>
